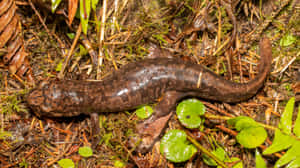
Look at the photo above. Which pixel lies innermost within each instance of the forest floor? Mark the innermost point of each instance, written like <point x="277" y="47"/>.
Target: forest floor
<point x="221" y="36"/>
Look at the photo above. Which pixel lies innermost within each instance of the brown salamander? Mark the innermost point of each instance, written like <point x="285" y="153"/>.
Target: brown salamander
<point x="144" y="82"/>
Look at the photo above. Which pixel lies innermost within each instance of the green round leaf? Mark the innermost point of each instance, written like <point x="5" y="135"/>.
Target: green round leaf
<point x="144" y="112"/>
<point x="245" y="123"/>
<point x="85" y="151"/>
<point x="242" y="122"/>
<point x="252" y="137"/>
<point x="175" y="147"/>
<point x="189" y="113"/>
<point x="66" y="163"/>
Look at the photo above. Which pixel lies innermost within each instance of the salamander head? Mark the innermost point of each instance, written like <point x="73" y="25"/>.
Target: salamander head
<point x="56" y="99"/>
<point x="41" y="100"/>
<point x="35" y="99"/>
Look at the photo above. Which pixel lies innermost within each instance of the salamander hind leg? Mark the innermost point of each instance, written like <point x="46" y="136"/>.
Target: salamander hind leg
<point x="149" y="130"/>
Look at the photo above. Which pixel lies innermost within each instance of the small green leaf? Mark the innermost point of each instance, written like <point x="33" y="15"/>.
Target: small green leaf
<point x="234" y="159"/>
<point x="71" y="35"/>
<point x="252" y="137"/>
<point x="243" y="122"/>
<point x="66" y="163"/>
<point x="296" y="129"/>
<point x="144" y="112"/>
<point x="94" y="4"/>
<point x="59" y="66"/>
<point x="238" y="164"/>
<point x="189" y="113"/>
<point x="233" y="122"/>
<point x="85" y="10"/>
<point x="118" y="163"/>
<point x="5" y="134"/>
<point x="160" y="38"/>
<point x="287" y="40"/>
<point x="54" y="5"/>
<point x="286" y="118"/>
<point x="175" y="147"/>
<point x="85" y="151"/>
<point x="260" y="163"/>
<point x="251" y="133"/>
<point x="23" y="163"/>
<point x="106" y="138"/>
<point x="280" y="142"/>
<point x="83" y="50"/>
<point x="219" y="153"/>
<point x="290" y="155"/>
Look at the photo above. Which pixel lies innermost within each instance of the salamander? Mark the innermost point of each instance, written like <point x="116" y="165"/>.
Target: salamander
<point x="144" y="82"/>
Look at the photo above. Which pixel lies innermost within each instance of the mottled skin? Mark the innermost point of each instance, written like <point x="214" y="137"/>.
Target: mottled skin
<point x="144" y="82"/>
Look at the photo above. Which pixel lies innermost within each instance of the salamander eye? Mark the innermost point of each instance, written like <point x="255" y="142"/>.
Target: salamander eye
<point x="43" y="84"/>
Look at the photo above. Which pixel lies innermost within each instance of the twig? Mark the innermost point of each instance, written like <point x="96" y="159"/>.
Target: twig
<point x="44" y="25"/>
<point x="287" y="65"/>
<point x="217" y="109"/>
<point x="221" y="47"/>
<point x="101" y="39"/>
<point x="229" y="131"/>
<point x="65" y="150"/>
<point x="116" y="4"/>
<point x="259" y="29"/>
<point x="130" y="155"/>
<point x="61" y="73"/>
<point x="216" y="117"/>
<point x="234" y="133"/>
<point x="88" y="45"/>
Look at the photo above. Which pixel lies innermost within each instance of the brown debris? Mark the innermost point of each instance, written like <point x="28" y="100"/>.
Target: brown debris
<point x="10" y="37"/>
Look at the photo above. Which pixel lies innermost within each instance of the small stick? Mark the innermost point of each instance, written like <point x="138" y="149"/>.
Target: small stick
<point x="260" y="29"/>
<point x="217" y="109"/>
<point x="61" y="73"/>
<point x="101" y="39"/>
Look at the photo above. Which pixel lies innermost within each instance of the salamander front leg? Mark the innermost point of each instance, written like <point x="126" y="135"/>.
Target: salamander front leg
<point x="95" y="129"/>
<point x="150" y="129"/>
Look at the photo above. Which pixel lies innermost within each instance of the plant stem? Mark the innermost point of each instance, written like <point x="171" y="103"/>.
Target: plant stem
<point x="205" y="151"/>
